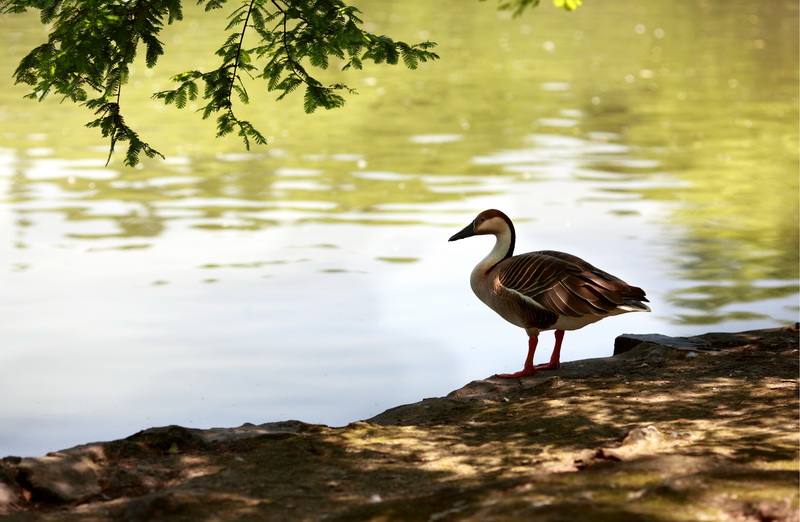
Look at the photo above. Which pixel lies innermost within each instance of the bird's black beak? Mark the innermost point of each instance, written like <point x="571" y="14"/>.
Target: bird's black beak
<point x="467" y="231"/>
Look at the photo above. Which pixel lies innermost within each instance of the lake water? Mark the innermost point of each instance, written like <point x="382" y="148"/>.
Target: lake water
<point x="312" y="279"/>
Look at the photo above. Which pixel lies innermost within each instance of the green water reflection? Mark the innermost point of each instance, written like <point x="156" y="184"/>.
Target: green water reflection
<point x="691" y="104"/>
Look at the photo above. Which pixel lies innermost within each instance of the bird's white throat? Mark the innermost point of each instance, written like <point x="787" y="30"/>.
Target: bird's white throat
<point x="498" y="253"/>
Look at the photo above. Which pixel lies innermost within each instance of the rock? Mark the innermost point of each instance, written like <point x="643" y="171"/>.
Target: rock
<point x="60" y="477"/>
<point x="11" y="494"/>
<point x="638" y="441"/>
<point x="161" y="506"/>
<point x="167" y="439"/>
<point x="483" y="388"/>
<point x="280" y="429"/>
<point x="647" y="352"/>
<point x="627" y="342"/>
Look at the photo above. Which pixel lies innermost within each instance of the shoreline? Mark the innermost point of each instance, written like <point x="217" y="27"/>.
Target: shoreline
<point x="706" y="426"/>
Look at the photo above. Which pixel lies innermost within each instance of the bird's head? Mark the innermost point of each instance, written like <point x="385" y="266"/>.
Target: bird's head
<point x="490" y="221"/>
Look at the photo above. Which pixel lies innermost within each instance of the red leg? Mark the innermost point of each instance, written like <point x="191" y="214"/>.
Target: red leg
<point x="528" y="369"/>
<point x="555" y="359"/>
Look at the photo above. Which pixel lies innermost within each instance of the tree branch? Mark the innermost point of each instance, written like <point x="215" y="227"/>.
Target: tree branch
<point x="239" y="50"/>
<point x="294" y="64"/>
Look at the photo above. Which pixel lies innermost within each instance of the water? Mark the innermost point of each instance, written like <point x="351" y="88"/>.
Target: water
<point x="312" y="279"/>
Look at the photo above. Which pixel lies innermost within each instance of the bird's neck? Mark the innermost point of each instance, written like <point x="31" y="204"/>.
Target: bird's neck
<point x="503" y="249"/>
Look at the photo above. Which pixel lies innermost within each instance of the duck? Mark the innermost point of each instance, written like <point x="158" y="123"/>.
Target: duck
<point x="543" y="290"/>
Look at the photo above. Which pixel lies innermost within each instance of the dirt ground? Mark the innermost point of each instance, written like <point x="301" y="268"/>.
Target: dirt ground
<point x="665" y="431"/>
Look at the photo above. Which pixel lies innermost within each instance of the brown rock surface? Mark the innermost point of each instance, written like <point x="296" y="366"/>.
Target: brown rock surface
<point x="657" y="433"/>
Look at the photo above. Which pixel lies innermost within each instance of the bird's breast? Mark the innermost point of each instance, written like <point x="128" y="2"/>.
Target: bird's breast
<point x="512" y="306"/>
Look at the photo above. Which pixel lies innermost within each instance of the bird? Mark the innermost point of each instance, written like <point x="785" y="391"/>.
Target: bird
<point x="543" y="290"/>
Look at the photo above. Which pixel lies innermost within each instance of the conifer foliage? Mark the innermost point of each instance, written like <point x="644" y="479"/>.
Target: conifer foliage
<point x="91" y="45"/>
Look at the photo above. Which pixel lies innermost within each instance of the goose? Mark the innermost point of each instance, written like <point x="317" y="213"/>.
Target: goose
<point x="544" y="290"/>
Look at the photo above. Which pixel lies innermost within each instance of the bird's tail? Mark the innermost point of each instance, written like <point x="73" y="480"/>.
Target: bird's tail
<point x="632" y="305"/>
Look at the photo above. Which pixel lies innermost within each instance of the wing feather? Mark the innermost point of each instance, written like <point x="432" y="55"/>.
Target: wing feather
<point x="566" y="285"/>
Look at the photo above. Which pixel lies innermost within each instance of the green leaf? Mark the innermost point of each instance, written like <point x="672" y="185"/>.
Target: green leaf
<point x="92" y="44"/>
<point x="409" y="58"/>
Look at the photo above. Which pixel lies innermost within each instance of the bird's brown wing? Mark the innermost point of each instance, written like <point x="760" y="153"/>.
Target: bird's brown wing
<point x="564" y="284"/>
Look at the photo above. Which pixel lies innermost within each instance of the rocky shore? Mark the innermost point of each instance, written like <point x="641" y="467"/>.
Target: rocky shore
<point x="668" y="429"/>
